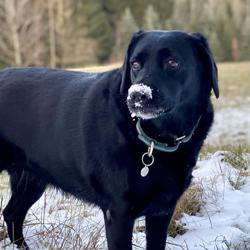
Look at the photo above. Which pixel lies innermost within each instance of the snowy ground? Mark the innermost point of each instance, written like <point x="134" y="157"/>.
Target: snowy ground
<point x="231" y="125"/>
<point x="223" y="221"/>
<point x="58" y="222"/>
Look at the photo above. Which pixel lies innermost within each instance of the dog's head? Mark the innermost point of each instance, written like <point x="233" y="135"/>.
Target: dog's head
<point x="168" y="73"/>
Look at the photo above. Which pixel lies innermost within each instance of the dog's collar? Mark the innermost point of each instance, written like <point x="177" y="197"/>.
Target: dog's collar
<point x="164" y="147"/>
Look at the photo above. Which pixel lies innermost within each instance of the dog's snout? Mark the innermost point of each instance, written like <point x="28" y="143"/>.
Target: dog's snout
<point x="138" y="96"/>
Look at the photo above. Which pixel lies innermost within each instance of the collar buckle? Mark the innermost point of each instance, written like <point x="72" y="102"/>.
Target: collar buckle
<point x="180" y="138"/>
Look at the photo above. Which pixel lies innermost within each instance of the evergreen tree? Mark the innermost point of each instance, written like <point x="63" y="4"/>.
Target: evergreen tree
<point x="100" y="28"/>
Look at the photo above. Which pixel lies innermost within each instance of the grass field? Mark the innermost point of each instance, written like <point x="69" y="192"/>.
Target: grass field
<point x="234" y="82"/>
<point x="234" y="78"/>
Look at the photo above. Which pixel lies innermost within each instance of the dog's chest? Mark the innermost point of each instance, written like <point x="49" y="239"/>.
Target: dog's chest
<point x="155" y="194"/>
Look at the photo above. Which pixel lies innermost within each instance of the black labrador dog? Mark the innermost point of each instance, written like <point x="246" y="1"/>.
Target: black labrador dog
<point x="125" y="140"/>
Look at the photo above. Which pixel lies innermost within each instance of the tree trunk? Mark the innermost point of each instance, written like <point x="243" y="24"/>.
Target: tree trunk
<point x="11" y="16"/>
<point x="52" y="39"/>
<point x="235" y="49"/>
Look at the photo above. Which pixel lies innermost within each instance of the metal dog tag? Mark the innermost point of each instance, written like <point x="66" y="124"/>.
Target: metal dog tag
<point x="144" y="171"/>
<point x="149" y="154"/>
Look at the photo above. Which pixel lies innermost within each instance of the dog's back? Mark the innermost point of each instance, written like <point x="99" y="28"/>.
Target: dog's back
<point x="37" y="106"/>
<point x="43" y="113"/>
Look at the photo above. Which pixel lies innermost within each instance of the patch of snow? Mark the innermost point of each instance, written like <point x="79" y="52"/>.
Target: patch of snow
<point x="146" y="116"/>
<point x="224" y="219"/>
<point x="138" y="105"/>
<point x="231" y="125"/>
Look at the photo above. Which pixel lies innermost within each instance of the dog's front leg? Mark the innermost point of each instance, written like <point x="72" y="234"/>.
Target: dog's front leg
<point x="119" y="228"/>
<point x="156" y="230"/>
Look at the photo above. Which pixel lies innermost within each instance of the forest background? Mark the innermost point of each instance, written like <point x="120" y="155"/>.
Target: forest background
<point x="76" y="33"/>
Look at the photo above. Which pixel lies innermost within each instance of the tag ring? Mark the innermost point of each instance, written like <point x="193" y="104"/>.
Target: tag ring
<point x="149" y="163"/>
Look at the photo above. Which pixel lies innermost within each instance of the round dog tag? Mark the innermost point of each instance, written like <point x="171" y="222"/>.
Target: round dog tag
<point x="144" y="171"/>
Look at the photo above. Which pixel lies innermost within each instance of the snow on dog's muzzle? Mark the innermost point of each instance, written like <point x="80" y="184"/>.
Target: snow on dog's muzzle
<point x="138" y="92"/>
<point x="140" y="102"/>
<point x="139" y="96"/>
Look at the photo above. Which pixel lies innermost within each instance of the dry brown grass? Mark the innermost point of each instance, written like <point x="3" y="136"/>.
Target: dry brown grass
<point x="190" y="203"/>
<point x="99" y="68"/>
<point x="237" y="149"/>
<point x="4" y="183"/>
<point x="237" y="159"/>
<point x="234" y="78"/>
<point x="234" y="81"/>
<point x="3" y="234"/>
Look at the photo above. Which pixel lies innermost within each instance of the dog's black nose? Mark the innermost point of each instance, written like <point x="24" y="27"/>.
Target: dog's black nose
<point x="138" y="97"/>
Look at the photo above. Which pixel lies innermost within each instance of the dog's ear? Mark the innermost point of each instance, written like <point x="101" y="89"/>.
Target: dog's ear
<point x="212" y="73"/>
<point x="126" y="82"/>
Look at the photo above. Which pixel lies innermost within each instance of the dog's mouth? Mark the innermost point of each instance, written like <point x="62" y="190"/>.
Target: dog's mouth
<point x="146" y="113"/>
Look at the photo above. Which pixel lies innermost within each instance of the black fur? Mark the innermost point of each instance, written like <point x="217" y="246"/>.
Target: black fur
<point x="74" y="131"/>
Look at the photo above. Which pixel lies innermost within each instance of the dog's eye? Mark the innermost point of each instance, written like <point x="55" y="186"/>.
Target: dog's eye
<point x="136" y="66"/>
<point x="172" y="63"/>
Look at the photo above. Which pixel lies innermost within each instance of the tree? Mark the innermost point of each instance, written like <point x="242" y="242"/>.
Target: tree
<point x="181" y="14"/>
<point x="52" y="35"/>
<point x="127" y="26"/>
<point x="100" y="28"/>
<point x="22" y="32"/>
<point x="245" y="31"/>
<point x="151" y="19"/>
<point x="72" y="46"/>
